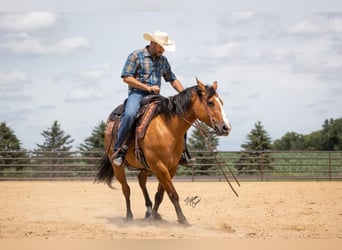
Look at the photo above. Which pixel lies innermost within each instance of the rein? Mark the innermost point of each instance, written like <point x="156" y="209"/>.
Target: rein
<point x="205" y="134"/>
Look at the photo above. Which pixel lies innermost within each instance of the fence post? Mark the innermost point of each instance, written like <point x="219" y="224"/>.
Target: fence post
<point x="329" y="165"/>
<point x="262" y="166"/>
<point x="50" y="157"/>
<point x="192" y="172"/>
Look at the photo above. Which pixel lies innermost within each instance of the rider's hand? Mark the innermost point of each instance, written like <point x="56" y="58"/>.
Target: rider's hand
<point x="154" y="89"/>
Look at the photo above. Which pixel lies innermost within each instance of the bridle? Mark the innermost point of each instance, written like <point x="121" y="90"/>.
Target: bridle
<point x="205" y="134"/>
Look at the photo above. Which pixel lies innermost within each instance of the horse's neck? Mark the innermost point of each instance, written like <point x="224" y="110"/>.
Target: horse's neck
<point x="182" y="124"/>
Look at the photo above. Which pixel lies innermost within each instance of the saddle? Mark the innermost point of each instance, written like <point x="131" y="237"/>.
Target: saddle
<point x="143" y="118"/>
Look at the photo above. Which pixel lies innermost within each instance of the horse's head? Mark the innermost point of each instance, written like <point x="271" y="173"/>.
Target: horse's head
<point x="208" y="108"/>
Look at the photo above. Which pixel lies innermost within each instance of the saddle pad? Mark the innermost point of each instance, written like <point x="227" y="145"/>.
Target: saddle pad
<point x="145" y="120"/>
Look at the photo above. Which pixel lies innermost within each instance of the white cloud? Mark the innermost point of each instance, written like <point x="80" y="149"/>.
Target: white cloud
<point x="11" y="79"/>
<point x="25" y="44"/>
<point x="27" y="21"/>
<point x="97" y="73"/>
<point x="242" y="16"/>
<point x="234" y="18"/>
<point x="13" y="96"/>
<point x="335" y="25"/>
<point x="85" y="76"/>
<point x="316" y="27"/>
<point x="13" y="76"/>
<point x="305" y="27"/>
<point x="68" y="45"/>
<point x="84" y="94"/>
<point x="222" y="51"/>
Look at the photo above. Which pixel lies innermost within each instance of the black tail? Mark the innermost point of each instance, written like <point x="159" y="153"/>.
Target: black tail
<point x="105" y="171"/>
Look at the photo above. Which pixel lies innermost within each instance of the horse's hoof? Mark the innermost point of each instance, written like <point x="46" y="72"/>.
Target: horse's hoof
<point x="148" y="212"/>
<point x="154" y="216"/>
<point x="129" y="217"/>
<point x="147" y="215"/>
<point x="184" y="223"/>
<point x="157" y="216"/>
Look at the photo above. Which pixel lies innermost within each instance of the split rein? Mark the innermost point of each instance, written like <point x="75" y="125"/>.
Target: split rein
<point x="205" y="134"/>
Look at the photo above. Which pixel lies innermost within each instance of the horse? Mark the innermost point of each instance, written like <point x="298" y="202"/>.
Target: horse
<point x="163" y="145"/>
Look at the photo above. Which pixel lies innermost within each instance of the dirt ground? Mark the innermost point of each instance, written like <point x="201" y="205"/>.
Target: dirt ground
<point x="83" y="210"/>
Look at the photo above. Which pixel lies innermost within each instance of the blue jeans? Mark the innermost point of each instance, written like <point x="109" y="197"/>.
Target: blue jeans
<point x="127" y="121"/>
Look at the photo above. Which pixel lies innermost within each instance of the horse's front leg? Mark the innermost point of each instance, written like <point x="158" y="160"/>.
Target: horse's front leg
<point x="165" y="181"/>
<point x="142" y="177"/>
<point x="173" y="195"/>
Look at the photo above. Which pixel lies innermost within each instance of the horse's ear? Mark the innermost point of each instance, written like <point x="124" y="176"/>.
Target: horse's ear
<point x="215" y="85"/>
<point x="200" y="85"/>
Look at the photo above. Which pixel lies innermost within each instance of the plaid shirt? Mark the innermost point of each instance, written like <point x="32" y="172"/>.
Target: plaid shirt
<point x="141" y="66"/>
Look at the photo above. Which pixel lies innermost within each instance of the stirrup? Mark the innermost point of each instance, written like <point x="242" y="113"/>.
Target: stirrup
<point x="117" y="160"/>
<point x="119" y="155"/>
<point x="185" y="159"/>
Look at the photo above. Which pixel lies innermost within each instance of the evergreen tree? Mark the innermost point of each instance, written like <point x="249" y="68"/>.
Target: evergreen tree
<point x="11" y="152"/>
<point x="95" y="142"/>
<point x="202" y="139"/>
<point x="54" y="150"/>
<point x="8" y="140"/>
<point x="257" y="139"/>
<point x="256" y="156"/>
<point x="55" y="139"/>
<point x="203" y="144"/>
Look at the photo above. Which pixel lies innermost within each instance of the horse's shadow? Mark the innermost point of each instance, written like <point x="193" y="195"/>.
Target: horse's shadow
<point x="139" y="222"/>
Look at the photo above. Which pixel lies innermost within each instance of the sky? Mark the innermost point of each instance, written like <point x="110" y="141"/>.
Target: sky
<point x="275" y="62"/>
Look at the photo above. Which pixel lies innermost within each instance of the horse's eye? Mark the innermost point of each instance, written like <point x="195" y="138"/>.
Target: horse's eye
<point x="210" y="104"/>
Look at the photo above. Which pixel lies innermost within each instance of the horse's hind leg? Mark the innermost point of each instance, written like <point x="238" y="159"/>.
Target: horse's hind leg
<point x="142" y="182"/>
<point x="158" y="198"/>
<point x="121" y="177"/>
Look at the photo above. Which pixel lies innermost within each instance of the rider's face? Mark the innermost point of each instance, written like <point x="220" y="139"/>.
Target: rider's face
<point x="156" y="49"/>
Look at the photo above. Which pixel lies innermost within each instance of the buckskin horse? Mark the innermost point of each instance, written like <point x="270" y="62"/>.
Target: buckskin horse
<point x="163" y="145"/>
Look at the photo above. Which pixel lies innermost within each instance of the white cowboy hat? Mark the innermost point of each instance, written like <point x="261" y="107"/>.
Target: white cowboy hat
<point x="162" y="38"/>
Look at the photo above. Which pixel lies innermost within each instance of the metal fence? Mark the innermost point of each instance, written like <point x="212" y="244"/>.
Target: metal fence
<point x="245" y="165"/>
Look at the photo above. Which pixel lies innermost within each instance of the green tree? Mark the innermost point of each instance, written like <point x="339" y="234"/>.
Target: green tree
<point x="328" y="138"/>
<point x="203" y="145"/>
<point x="290" y="141"/>
<point x="258" y="139"/>
<point x="55" y="151"/>
<point x="313" y="141"/>
<point x="256" y="157"/>
<point x="8" y="139"/>
<point x="96" y="140"/>
<point x="11" y="153"/>
<point x="55" y="139"/>
<point x="331" y="135"/>
<point x="202" y="139"/>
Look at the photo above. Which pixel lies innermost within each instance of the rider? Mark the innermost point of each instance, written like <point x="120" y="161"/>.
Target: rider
<point x="142" y="72"/>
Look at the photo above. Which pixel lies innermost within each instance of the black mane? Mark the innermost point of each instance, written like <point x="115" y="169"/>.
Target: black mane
<point x="181" y="103"/>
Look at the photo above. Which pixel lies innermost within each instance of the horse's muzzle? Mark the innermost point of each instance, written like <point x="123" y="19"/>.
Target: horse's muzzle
<point x="222" y="128"/>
